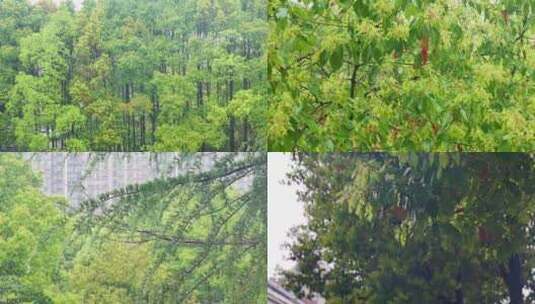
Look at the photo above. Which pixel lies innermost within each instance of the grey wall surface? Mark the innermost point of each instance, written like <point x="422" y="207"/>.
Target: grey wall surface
<point x="80" y="176"/>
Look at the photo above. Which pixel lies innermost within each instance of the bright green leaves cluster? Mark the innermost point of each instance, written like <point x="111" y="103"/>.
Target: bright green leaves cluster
<point x="32" y="233"/>
<point x="98" y="275"/>
<point x="414" y="228"/>
<point x="401" y="75"/>
<point x="142" y="76"/>
<point x="184" y="127"/>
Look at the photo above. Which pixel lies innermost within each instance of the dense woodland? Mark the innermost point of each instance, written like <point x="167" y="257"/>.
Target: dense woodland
<point x="132" y="75"/>
<point x="402" y="75"/>
<point x="415" y="228"/>
<point x="196" y="238"/>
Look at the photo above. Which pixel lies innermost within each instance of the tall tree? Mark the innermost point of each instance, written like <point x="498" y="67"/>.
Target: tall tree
<point x="18" y="19"/>
<point x="433" y="228"/>
<point x="32" y="232"/>
<point x="199" y="237"/>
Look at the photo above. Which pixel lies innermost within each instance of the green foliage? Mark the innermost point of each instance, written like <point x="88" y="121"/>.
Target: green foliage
<point x="416" y="228"/>
<point x="32" y="232"/>
<point x="199" y="237"/>
<point x="121" y="75"/>
<point x="402" y="75"/>
<point x="108" y="273"/>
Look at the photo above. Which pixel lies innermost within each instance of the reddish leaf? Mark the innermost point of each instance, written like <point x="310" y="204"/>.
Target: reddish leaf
<point x="484" y="174"/>
<point x="399" y="213"/>
<point x="424" y="52"/>
<point x="485" y="235"/>
<point x="505" y="16"/>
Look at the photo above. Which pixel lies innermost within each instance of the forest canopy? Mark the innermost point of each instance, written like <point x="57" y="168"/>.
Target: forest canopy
<point x="199" y="237"/>
<point x="133" y="75"/>
<point x="415" y="228"/>
<point x="402" y="75"/>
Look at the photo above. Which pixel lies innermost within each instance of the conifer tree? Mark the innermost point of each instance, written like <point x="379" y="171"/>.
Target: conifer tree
<point x="198" y="237"/>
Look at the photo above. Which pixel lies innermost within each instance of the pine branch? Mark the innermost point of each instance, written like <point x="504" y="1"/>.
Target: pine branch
<point x="155" y="235"/>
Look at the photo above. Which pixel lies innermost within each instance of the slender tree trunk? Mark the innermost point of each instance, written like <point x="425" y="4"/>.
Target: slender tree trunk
<point x="125" y="136"/>
<point x="232" y="125"/>
<point x="134" y="147"/>
<point x="353" y="81"/>
<point x="245" y="134"/>
<point x="512" y="276"/>
<point x="459" y="295"/>
<point x="154" y="116"/>
<point x="143" y="129"/>
<point x="199" y="94"/>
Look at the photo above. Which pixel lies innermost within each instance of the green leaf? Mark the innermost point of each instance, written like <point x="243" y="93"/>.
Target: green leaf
<point x="337" y="58"/>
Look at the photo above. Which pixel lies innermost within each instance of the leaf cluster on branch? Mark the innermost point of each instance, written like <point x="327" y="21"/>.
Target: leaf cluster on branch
<point x="413" y="228"/>
<point x="401" y="75"/>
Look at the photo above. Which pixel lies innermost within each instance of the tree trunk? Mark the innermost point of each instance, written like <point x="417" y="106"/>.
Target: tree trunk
<point x="232" y="125"/>
<point x="353" y="82"/>
<point x="459" y="295"/>
<point x="513" y="279"/>
<point x="154" y="116"/>
<point x="142" y="129"/>
<point x="245" y="134"/>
